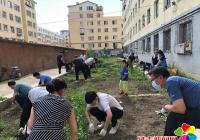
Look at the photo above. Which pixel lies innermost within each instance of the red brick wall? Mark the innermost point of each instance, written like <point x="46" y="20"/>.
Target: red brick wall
<point x="29" y="57"/>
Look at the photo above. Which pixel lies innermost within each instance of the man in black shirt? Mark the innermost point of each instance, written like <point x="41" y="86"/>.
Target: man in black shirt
<point x="61" y="62"/>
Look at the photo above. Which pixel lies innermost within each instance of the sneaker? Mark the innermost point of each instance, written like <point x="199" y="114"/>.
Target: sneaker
<point x="113" y="130"/>
<point x="100" y="126"/>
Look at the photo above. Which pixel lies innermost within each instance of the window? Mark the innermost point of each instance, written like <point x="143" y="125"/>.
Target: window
<point x="99" y="45"/>
<point x="30" y="33"/>
<point x="156" y="8"/>
<point x="4" y="14"/>
<point x="29" y="23"/>
<point x="19" y="31"/>
<point x="106" y="37"/>
<point x="82" y="46"/>
<point x="16" y="7"/>
<point x="89" y="15"/>
<point x="9" y="4"/>
<point x="143" y="45"/>
<point x="3" y="2"/>
<point x="185" y="32"/>
<point x="106" y="45"/>
<point x="98" y="22"/>
<point x="138" y="3"/>
<point x="11" y="17"/>
<point x="99" y="30"/>
<point x="135" y="8"/>
<point x="143" y="21"/>
<point x="90" y="45"/>
<point x="82" y="38"/>
<point x="167" y="4"/>
<point x="148" y="49"/>
<point x="17" y="19"/>
<point x="82" y="32"/>
<point x="33" y="15"/>
<point x="99" y="37"/>
<point x="114" y="22"/>
<point x="106" y="30"/>
<point x="133" y="13"/>
<point x="81" y="24"/>
<point x="114" y="45"/>
<point x="114" y="37"/>
<point x="90" y="38"/>
<point x="34" y="26"/>
<point x="114" y="29"/>
<point x="90" y="30"/>
<point x="80" y="8"/>
<point x="105" y="22"/>
<point x="148" y="16"/>
<point x="28" y="13"/>
<point x="167" y="40"/>
<point x="136" y="28"/>
<point x="139" y="25"/>
<point x="98" y="15"/>
<point x="90" y="8"/>
<point x="156" y="42"/>
<point x="5" y="27"/>
<point x="12" y="29"/>
<point x="81" y="15"/>
<point x="90" y="23"/>
<point x="0" y="27"/>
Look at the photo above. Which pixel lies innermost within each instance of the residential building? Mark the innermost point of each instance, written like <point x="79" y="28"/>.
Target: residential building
<point x="48" y="37"/>
<point x="169" y="25"/>
<point x="11" y="26"/>
<point x="18" y="20"/>
<point x="89" y="28"/>
<point x="65" y="34"/>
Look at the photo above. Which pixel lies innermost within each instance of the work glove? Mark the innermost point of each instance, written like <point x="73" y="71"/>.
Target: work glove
<point x="103" y="132"/>
<point x="21" y="130"/>
<point x="91" y="128"/>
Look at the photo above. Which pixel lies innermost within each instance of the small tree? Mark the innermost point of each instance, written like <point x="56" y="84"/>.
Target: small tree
<point x="89" y="52"/>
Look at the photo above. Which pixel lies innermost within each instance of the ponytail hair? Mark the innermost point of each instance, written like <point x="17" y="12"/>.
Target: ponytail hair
<point x="56" y="85"/>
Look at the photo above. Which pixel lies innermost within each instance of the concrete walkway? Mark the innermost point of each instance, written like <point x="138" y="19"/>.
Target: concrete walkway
<point x="6" y="92"/>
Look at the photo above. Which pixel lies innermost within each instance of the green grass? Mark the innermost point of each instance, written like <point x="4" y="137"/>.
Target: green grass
<point x="2" y="98"/>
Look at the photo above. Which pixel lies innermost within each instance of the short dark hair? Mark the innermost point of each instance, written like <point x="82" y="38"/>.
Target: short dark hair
<point x="56" y="85"/>
<point x="90" y="96"/>
<point x="160" y="71"/>
<point x="11" y="83"/>
<point x="36" y="74"/>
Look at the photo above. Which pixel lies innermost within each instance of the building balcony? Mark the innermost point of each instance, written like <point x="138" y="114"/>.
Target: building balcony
<point x="99" y="8"/>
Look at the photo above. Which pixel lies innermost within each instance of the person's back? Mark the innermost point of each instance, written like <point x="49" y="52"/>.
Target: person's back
<point x="189" y="90"/>
<point x="89" y="61"/>
<point x="36" y="93"/>
<point x="45" y="78"/>
<point x="163" y="62"/>
<point x="78" y="61"/>
<point x="59" y="59"/>
<point x="22" y="89"/>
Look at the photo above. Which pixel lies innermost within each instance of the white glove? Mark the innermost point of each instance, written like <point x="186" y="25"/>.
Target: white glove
<point x="91" y="128"/>
<point x="21" y="130"/>
<point x="28" y="131"/>
<point x="103" y="132"/>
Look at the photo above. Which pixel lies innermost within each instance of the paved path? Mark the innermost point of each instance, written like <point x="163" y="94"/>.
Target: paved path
<point x="6" y="92"/>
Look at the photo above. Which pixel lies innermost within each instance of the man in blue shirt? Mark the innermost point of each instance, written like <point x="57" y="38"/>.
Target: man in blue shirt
<point x="123" y="85"/>
<point x="21" y="97"/>
<point x="44" y="79"/>
<point x="184" y="97"/>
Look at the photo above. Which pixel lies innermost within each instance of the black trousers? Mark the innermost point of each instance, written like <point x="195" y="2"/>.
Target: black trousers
<point x="87" y="70"/>
<point x="26" y="106"/>
<point x="175" y="120"/>
<point x="67" y="66"/>
<point x="80" y="68"/>
<point x="101" y="115"/>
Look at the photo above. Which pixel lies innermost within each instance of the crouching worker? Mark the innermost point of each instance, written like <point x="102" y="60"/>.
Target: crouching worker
<point x="105" y="108"/>
<point x="184" y="97"/>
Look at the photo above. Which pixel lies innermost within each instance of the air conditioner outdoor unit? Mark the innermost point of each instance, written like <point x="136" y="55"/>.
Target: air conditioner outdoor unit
<point x="184" y="48"/>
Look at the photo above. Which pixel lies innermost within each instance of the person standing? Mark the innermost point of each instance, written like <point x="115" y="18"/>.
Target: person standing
<point x="105" y="108"/>
<point x="44" y="79"/>
<point x="61" y="62"/>
<point x="123" y="84"/>
<point x="88" y="64"/>
<point x="21" y="97"/>
<point x="184" y="95"/>
<point x="79" y="65"/>
<point x="50" y="113"/>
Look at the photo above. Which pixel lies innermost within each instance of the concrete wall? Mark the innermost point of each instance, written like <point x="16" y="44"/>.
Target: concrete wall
<point x="187" y="63"/>
<point x="29" y="57"/>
